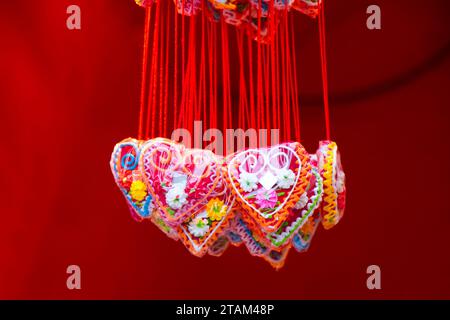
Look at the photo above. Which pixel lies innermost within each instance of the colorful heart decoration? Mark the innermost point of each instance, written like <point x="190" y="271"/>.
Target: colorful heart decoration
<point x="330" y="168"/>
<point x="124" y="166"/>
<point x="181" y="181"/>
<point x="269" y="199"/>
<point x="268" y="182"/>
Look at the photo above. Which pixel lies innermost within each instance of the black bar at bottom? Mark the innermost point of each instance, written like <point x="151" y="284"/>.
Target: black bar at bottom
<point x="223" y="309"/>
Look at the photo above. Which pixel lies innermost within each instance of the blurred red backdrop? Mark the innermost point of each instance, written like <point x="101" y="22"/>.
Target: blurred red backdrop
<point x="66" y="97"/>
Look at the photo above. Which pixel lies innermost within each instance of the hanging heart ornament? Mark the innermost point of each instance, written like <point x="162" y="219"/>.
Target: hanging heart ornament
<point x="181" y="181"/>
<point x="268" y="182"/>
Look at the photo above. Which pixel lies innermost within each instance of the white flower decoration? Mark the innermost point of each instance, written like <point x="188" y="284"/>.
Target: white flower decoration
<point x="286" y="178"/>
<point x="301" y="203"/>
<point x="248" y="181"/>
<point x="176" y="197"/>
<point x="199" y="225"/>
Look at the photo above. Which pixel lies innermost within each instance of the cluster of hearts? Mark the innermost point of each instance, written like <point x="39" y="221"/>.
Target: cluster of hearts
<point x="254" y="15"/>
<point x="269" y="199"/>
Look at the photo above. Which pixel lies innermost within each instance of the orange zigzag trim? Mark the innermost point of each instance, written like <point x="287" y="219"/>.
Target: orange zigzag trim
<point x="329" y="204"/>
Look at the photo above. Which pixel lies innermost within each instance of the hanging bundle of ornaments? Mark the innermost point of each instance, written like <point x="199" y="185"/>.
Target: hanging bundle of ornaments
<point x="269" y="197"/>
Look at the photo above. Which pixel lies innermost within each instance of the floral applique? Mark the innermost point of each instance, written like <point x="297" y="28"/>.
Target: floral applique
<point x="176" y="197"/>
<point x="138" y="190"/>
<point x="199" y="226"/>
<point x="216" y="209"/>
<point x="286" y="178"/>
<point x="266" y="199"/>
<point x="248" y="181"/>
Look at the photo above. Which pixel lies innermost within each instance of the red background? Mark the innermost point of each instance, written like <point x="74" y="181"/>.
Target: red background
<point x="66" y="97"/>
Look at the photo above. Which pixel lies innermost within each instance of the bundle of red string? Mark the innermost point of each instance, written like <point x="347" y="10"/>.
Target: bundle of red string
<point x="269" y="196"/>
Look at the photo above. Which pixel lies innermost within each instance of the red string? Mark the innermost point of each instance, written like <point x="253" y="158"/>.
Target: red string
<point x="277" y="80"/>
<point x="214" y="41"/>
<point x="202" y="87"/>
<point x="210" y="69"/>
<point x="150" y="125"/>
<point x="286" y="128"/>
<point x="273" y="63"/>
<point x="296" y="102"/>
<point x="267" y="124"/>
<point x="323" y="57"/>
<point x="252" y="97"/>
<point x="259" y="89"/>
<point x="166" y="76"/>
<point x="226" y="75"/>
<point x="182" y="106"/>
<point x="175" y="69"/>
<point x="287" y="74"/>
<point x="225" y="80"/>
<point x="243" y="100"/>
<point x="191" y="85"/>
<point x="161" y="73"/>
<point x="144" y="72"/>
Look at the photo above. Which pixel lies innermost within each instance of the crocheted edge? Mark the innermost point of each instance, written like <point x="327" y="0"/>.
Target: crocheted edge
<point x="329" y="205"/>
